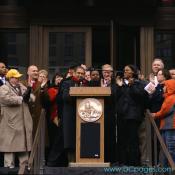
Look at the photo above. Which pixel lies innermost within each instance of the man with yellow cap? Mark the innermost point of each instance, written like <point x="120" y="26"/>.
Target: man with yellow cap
<point x="16" y="122"/>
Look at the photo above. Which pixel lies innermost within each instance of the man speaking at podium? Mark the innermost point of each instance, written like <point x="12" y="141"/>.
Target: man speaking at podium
<point x="69" y="111"/>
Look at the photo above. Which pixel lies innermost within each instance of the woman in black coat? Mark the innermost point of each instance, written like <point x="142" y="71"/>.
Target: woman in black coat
<point x="130" y="105"/>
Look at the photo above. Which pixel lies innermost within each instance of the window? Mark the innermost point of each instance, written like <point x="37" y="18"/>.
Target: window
<point x="65" y="49"/>
<point x="52" y="51"/>
<point x="14" y="49"/>
<point x="52" y="38"/>
<point x="68" y="47"/>
<point x="165" y="47"/>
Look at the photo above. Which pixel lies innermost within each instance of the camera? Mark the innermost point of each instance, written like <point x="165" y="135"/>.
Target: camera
<point x="119" y="74"/>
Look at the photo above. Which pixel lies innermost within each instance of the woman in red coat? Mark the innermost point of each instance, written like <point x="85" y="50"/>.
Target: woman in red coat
<point x="51" y="106"/>
<point x="167" y="118"/>
<point x="53" y="120"/>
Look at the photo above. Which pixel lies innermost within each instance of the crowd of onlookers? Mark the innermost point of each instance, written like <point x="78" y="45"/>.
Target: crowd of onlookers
<point x="124" y="111"/>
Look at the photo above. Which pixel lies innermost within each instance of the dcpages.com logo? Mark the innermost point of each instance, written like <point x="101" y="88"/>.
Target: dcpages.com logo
<point x="137" y="170"/>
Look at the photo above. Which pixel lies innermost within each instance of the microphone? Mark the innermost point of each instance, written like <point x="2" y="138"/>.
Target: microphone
<point x="81" y="81"/>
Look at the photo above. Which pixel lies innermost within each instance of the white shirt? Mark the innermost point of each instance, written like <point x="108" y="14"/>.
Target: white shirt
<point x="3" y="79"/>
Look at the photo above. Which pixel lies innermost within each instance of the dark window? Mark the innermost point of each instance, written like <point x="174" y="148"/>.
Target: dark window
<point x="69" y="39"/>
<point x="165" y="47"/>
<point x="52" y="38"/>
<point x="68" y="51"/>
<point x="82" y="45"/>
<point x="52" y="51"/>
<point x="11" y="37"/>
<point x="14" y="49"/>
<point x="11" y="49"/>
<point x="68" y="47"/>
<point x="65" y="49"/>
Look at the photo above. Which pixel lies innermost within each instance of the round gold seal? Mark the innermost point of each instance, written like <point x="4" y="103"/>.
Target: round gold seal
<point x="90" y="109"/>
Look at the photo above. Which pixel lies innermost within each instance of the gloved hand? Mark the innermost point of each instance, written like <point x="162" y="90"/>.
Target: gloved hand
<point x="26" y="94"/>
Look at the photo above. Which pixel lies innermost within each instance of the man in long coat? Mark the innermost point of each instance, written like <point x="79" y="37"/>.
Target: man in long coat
<point x="69" y="112"/>
<point x="35" y="104"/>
<point x="16" y="123"/>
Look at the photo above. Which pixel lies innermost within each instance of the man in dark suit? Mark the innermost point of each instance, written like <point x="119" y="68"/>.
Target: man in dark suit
<point x="69" y="111"/>
<point x="109" y="114"/>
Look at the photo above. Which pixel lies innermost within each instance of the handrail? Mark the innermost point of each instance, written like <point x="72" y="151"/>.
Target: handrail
<point x="39" y="141"/>
<point x="164" y="148"/>
<point x="34" y="151"/>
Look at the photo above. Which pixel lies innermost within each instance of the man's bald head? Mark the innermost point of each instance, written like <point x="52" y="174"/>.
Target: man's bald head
<point x="32" y="72"/>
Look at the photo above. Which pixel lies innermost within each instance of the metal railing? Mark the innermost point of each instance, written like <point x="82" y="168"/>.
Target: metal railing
<point x="157" y="136"/>
<point x="36" y="161"/>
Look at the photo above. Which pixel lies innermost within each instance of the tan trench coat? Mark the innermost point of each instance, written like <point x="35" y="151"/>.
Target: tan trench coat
<point x="16" y="124"/>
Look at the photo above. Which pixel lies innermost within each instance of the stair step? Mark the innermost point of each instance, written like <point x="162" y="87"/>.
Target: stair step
<point x="4" y="171"/>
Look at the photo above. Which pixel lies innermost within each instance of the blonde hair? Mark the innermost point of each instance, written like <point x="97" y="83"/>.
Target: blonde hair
<point x="160" y="60"/>
<point x="43" y="71"/>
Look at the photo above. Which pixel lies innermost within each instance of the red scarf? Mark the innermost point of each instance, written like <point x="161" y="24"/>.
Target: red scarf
<point x="78" y="81"/>
<point x="52" y="92"/>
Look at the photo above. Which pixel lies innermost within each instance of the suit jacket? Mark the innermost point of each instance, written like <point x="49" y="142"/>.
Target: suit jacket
<point x="69" y="115"/>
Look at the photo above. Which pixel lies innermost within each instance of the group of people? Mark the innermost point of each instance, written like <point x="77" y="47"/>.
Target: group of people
<point x="124" y="111"/>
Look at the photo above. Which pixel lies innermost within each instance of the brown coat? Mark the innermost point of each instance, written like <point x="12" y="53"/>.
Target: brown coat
<point x="16" y="124"/>
<point x="36" y="106"/>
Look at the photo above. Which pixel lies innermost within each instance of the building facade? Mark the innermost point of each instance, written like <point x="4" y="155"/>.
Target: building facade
<point x="55" y="35"/>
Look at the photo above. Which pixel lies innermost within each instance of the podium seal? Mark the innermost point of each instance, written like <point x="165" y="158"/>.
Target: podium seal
<point x="90" y="109"/>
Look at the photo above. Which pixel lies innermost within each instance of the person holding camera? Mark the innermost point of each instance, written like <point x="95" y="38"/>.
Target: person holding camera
<point x="16" y="123"/>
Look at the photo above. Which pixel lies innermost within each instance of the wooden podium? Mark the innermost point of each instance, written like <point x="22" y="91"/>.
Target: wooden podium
<point x="90" y="126"/>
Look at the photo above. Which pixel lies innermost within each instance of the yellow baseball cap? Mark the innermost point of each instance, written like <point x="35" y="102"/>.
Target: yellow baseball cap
<point x="13" y="73"/>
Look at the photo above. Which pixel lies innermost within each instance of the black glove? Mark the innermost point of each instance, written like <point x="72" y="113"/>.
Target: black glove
<point x="26" y="94"/>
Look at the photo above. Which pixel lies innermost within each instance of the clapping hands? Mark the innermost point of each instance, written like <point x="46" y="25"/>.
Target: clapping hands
<point x="119" y="81"/>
